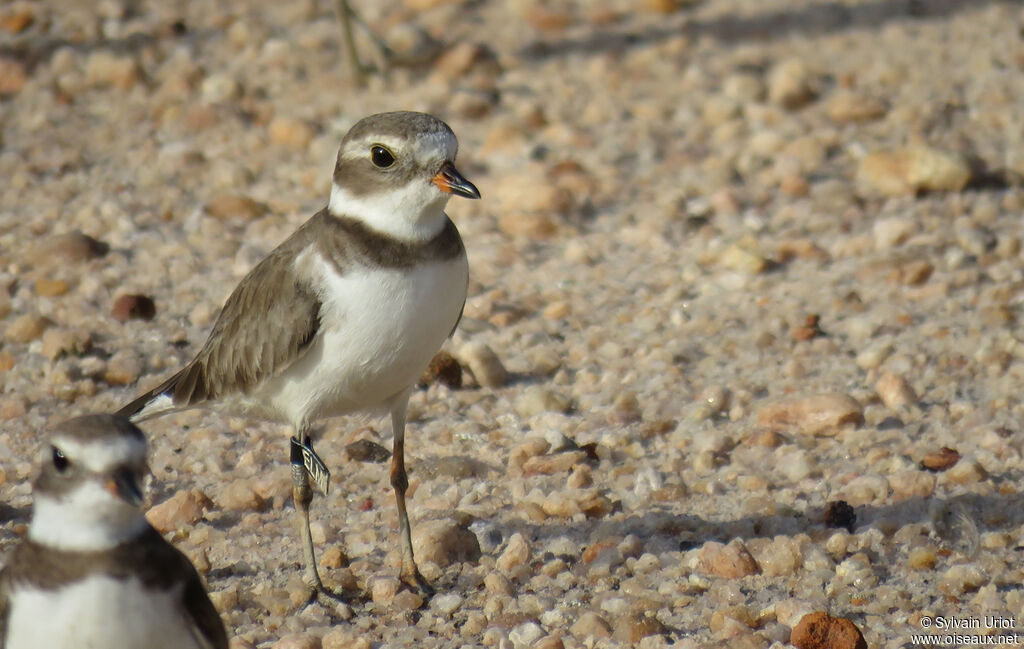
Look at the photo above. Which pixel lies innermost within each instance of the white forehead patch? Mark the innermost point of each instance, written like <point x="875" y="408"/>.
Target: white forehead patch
<point x="101" y="455"/>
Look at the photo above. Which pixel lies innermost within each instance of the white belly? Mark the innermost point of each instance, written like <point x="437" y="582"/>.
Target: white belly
<point x="99" y="613"/>
<point x="379" y="330"/>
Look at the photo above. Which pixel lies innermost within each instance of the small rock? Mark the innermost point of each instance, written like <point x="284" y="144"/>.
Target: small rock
<point x="297" y="641"/>
<point x="848" y="107"/>
<point x="333" y="558"/>
<point x="866" y="490"/>
<point x="529" y="225"/>
<point x="464" y="57"/>
<point x="839" y="513"/>
<point x="528" y="448"/>
<point x="240" y="495"/>
<point x="58" y="341"/>
<point x="553" y="641"/>
<point x="133" y="307"/>
<point x="68" y="248"/>
<point x="590" y="625"/>
<point x="6" y="361"/>
<point x="484" y="364"/>
<point x="631" y="628"/>
<point x="818" y="414"/>
<point x="745" y="257"/>
<point x="26" y="328"/>
<point x="941" y="460"/>
<point x="892" y="232"/>
<point x="384" y="589"/>
<point x="966" y="472"/>
<point x="730" y="561"/>
<point x="557" y="463"/>
<point x="895" y="391"/>
<point x="181" y="510"/>
<point x="911" y="170"/>
<point x="290" y="132"/>
<point x="443" y="369"/>
<point x="219" y="88"/>
<point x="234" y="206"/>
<point x="13" y="76"/>
<point x="367" y="450"/>
<point x="406" y="600"/>
<point x="498" y="584"/>
<point x="537" y="399"/>
<point x="525" y="634"/>
<point x="103" y="68"/>
<point x="226" y="599"/>
<point x="517" y="553"/>
<point x="17" y="17"/>
<point x="444" y="542"/>
<point x="51" y="287"/>
<point x="345" y="637"/>
<point x="790" y="84"/>
<point x="961" y="579"/>
<point x="923" y="558"/>
<point x="447" y="603"/>
<point x="819" y="630"/>
<point x="809" y="330"/>
<point x="911" y="483"/>
<point x="123" y="368"/>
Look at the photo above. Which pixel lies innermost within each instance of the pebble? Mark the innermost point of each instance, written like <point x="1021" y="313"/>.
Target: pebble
<point x="961" y="579"/>
<point x="940" y="460"/>
<point x="848" y="107"/>
<point x="58" y="341"/>
<point x="484" y="364"/>
<point x="384" y="589"/>
<point x="133" y="307"/>
<point x="183" y="509"/>
<point x="911" y="170"/>
<point x="26" y="328"/>
<point x="240" y="495"/>
<point x="730" y="561"/>
<point x="590" y="625"/>
<point x="345" y="638"/>
<point x="819" y="630"/>
<point x="818" y="414"/>
<point x="290" y="132"/>
<point x="894" y="391"/>
<point x="234" y="206"/>
<point x="444" y="542"/>
<point x="790" y="84"/>
<point x="558" y="463"/>
<point x="446" y="603"/>
<point x="367" y="450"/>
<point x="536" y="399"/>
<point x="525" y="634"/>
<point x="123" y="368"/>
<point x="966" y="472"/>
<point x="107" y="69"/>
<point x="443" y="369"/>
<point x="498" y="584"/>
<point x="517" y="553"/>
<point x="298" y="641"/>
<point x="50" y="287"/>
<point x="632" y="628"/>
<point x="893" y="231"/>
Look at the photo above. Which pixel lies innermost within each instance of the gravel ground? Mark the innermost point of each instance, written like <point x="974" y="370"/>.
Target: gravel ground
<point x="736" y="261"/>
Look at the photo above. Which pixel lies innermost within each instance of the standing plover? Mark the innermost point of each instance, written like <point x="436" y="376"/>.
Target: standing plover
<point x="92" y="572"/>
<point x="345" y="314"/>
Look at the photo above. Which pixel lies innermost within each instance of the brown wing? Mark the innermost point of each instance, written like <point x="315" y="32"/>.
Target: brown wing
<point x="267" y="322"/>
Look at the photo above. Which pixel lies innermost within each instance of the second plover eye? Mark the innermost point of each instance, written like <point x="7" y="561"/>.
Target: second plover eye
<point x="381" y="156"/>
<point x="59" y="461"/>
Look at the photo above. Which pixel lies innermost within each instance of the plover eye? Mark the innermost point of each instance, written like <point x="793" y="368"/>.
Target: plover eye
<point x="59" y="461"/>
<point x="381" y="157"/>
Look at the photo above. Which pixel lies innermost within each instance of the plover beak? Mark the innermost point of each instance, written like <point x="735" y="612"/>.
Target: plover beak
<point x="124" y="486"/>
<point x="450" y="181"/>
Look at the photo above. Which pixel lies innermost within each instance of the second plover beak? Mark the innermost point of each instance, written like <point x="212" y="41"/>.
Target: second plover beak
<point x="450" y="181"/>
<point x="125" y="486"/>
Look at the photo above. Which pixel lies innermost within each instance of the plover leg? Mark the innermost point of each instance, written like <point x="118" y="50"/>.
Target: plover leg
<point x="302" y="494"/>
<point x="409" y="574"/>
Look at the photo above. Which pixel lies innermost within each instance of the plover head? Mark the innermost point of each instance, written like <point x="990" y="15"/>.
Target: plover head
<point x="395" y="172"/>
<point x="89" y="490"/>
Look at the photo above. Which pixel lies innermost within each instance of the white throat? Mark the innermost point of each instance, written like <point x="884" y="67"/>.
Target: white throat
<point x="412" y="212"/>
<point x="86" y="520"/>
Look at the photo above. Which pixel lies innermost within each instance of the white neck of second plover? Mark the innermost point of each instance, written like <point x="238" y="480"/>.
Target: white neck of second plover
<point x="87" y="519"/>
<point x="412" y="212"/>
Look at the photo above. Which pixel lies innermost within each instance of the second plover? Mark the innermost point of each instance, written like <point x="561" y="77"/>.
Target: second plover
<point x="92" y="572"/>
